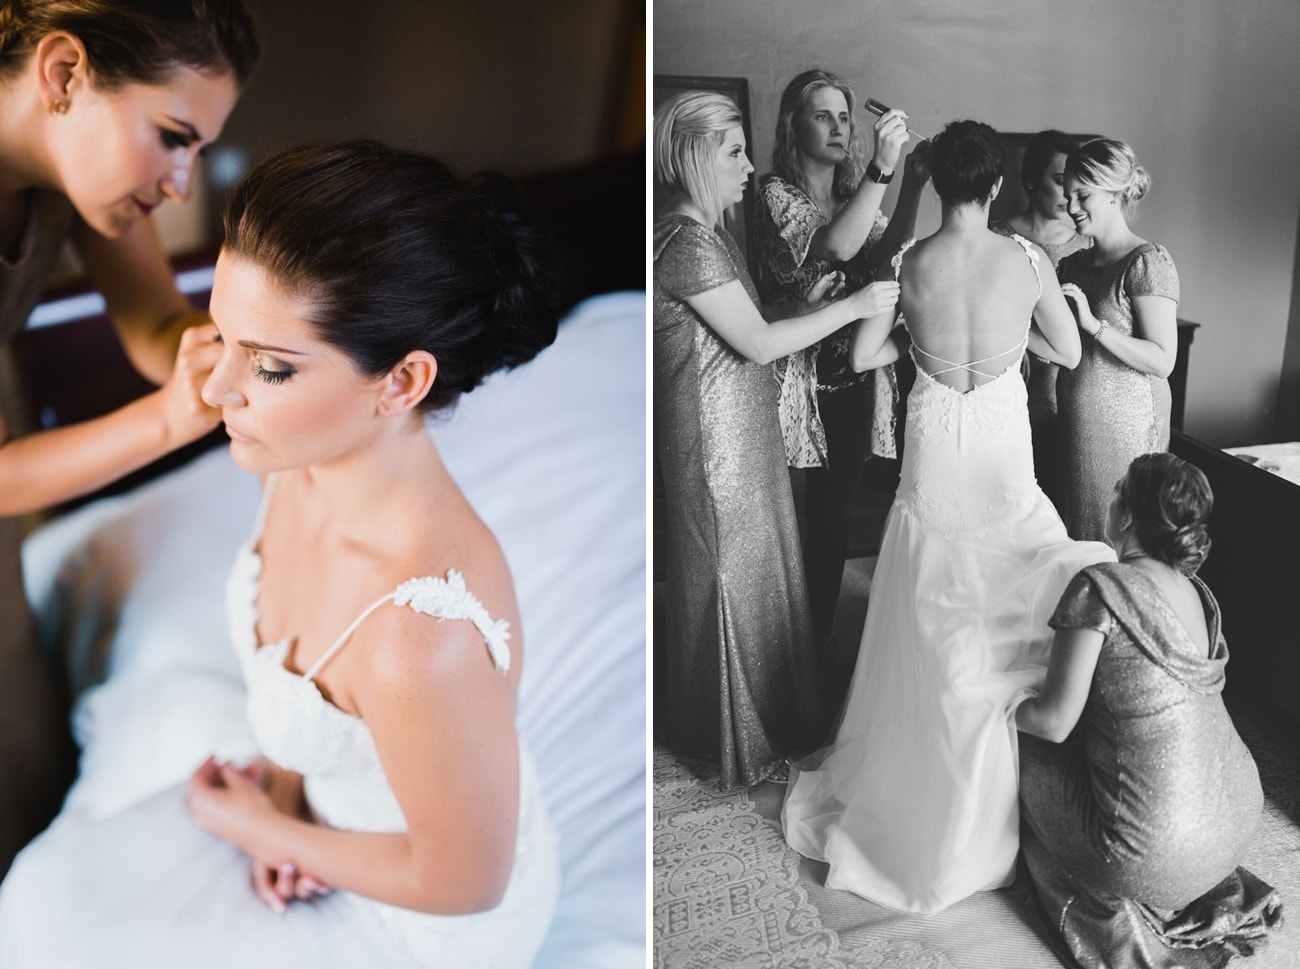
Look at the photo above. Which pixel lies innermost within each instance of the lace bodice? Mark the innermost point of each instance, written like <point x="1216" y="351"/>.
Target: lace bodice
<point x="968" y="460"/>
<point x="299" y="729"/>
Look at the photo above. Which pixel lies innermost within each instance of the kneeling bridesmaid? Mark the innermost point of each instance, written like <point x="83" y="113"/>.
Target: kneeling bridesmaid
<point x="1139" y="798"/>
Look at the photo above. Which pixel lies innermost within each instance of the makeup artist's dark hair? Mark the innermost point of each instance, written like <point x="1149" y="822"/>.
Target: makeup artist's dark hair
<point x="136" y="41"/>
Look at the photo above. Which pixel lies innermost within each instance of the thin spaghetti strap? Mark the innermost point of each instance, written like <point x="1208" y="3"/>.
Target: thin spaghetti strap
<point x="1032" y="253"/>
<point x="338" y="643"/>
<point x="444" y="598"/>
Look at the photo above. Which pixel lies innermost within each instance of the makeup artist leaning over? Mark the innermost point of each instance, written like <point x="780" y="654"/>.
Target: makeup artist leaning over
<point x="103" y="109"/>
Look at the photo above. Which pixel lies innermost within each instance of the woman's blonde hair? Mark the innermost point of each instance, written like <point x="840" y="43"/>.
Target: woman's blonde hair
<point x="1110" y="166"/>
<point x="688" y="132"/>
<point x="788" y="157"/>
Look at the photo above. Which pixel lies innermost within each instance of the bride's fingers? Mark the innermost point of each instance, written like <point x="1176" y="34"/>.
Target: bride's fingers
<point x="264" y="887"/>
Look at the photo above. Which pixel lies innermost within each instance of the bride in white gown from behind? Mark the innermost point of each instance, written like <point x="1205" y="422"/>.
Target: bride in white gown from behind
<point x="394" y="819"/>
<point x="914" y="802"/>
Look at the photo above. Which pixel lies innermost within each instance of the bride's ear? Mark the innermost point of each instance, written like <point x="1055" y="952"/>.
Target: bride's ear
<point x="994" y="192"/>
<point x="407" y="384"/>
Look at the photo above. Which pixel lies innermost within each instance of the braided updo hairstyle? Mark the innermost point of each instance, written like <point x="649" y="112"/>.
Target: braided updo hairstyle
<point x="136" y="41"/>
<point x="1170" y="503"/>
<point x="395" y="253"/>
<point x="1110" y="166"/>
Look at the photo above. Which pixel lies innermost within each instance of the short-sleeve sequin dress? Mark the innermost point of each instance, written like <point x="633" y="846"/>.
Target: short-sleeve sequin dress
<point x="1133" y="828"/>
<point x="740" y="678"/>
<point x="1107" y="412"/>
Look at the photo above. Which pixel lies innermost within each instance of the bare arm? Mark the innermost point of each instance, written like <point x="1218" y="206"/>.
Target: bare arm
<point x="872" y="346"/>
<point x="1153" y="347"/>
<point x="1054" y="712"/>
<point x="442" y="718"/>
<point x="729" y="311"/>
<point x="50" y="467"/>
<point x="1055" y="336"/>
<point x="136" y="279"/>
<point x="847" y="232"/>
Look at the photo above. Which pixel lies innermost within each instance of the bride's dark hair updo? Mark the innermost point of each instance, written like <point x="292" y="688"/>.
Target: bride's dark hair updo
<point x="966" y="160"/>
<point x="1170" y="502"/>
<point x="396" y="253"/>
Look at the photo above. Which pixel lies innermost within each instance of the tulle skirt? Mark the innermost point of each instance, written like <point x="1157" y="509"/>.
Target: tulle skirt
<point x="146" y="889"/>
<point x="914" y="803"/>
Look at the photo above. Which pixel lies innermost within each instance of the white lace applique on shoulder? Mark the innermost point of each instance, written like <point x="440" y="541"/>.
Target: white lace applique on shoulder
<point x="449" y="599"/>
<point x="1032" y="253"/>
<point x="896" y="263"/>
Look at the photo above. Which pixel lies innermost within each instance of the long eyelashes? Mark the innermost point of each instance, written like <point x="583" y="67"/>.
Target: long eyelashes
<point x="272" y="376"/>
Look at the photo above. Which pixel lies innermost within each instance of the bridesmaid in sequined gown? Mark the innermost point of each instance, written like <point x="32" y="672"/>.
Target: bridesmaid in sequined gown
<point x="1115" y="404"/>
<point x="741" y="683"/>
<point x="1045" y="222"/>
<point x="1140" y="799"/>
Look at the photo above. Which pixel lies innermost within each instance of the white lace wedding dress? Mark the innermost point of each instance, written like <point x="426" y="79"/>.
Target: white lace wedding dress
<point x="146" y="888"/>
<point x="914" y="803"/>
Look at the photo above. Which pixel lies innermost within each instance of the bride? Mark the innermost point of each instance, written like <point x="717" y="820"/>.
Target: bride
<point x="914" y="803"/>
<point x="394" y="818"/>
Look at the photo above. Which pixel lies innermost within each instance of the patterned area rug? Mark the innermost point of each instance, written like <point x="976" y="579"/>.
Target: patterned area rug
<point x="728" y="891"/>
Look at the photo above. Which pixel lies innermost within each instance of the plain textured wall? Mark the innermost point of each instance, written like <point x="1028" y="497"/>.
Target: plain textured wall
<point x="1206" y="92"/>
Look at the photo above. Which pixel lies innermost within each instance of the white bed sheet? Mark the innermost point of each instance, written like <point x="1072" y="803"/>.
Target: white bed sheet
<point x="1282" y="459"/>
<point x="130" y="590"/>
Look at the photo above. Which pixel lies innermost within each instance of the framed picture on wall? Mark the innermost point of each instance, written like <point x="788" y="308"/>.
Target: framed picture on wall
<point x="1011" y="200"/>
<point x="737" y="222"/>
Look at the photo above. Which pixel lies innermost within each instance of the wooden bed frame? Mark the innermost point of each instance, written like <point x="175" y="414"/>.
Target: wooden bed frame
<point x="1254" y="572"/>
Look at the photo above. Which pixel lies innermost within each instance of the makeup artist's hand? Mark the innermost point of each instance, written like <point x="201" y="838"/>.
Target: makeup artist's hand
<point x="891" y="135"/>
<point x="185" y="415"/>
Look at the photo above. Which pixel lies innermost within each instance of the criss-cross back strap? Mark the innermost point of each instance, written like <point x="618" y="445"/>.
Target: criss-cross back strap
<point x="951" y="366"/>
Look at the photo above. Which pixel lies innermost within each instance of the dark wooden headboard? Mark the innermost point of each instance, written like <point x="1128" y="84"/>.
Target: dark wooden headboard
<point x="1253" y="570"/>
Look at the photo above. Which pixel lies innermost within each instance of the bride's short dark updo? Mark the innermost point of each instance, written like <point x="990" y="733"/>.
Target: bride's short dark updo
<point x="1170" y="503"/>
<point x="396" y="253"/>
<point x="966" y="160"/>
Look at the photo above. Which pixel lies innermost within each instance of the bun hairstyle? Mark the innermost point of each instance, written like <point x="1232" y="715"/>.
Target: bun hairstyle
<point x="688" y="131"/>
<point x="136" y="41"/>
<point x="396" y="253"/>
<point x="1039" y="152"/>
<point x="787" y="155"/>
<point x="1170" y="503"/>
<point x="966" y="160"/>
<point x="1110" y="166"/>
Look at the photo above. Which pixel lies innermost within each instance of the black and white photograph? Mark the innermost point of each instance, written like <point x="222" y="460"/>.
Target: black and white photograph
<point x="975" y="379"/>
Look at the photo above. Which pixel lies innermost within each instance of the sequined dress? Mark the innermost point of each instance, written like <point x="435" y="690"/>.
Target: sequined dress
<point x="148" y="889"/>
<point x="914" y="802"/>
<point x="739" y="683"/>
<point x="1108" y="412"/>
<point x="1133" y="827"/>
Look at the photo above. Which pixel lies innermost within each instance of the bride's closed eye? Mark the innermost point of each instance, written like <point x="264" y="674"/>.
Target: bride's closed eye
<point x="270" y="370"/>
